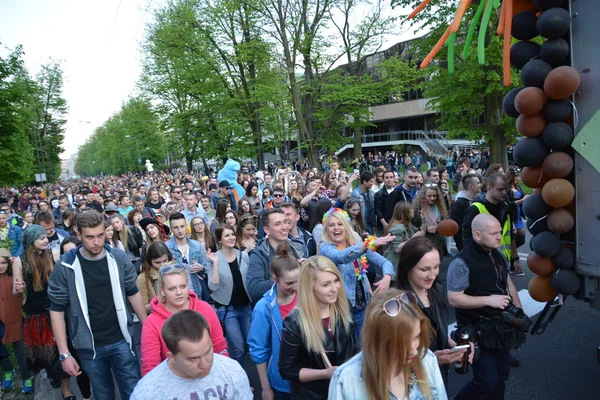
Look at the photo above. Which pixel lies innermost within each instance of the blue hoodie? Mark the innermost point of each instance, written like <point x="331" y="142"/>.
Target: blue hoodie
<point x="264" y="338"/>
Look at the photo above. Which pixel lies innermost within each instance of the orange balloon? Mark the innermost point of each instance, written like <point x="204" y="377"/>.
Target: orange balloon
<point x="558" y="192"/>
<point x="561" y="83"/>
<point x="530" y="100"/>
<point x="534" y="177"/>
<point x="523" y="5"/>
<point x="542" y="266"/>
<point x="558" y="164"/>
<point x="540" y="289"/>
<point x="531" y="125"/>
<point x="447" y="227"/>
<point x="560" y="221"/>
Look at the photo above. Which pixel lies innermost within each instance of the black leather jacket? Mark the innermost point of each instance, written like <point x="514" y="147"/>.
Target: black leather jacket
<point x="294" y="356"/>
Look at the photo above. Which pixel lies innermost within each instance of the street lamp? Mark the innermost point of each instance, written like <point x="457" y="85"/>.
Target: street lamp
<point x="137" y="146"/>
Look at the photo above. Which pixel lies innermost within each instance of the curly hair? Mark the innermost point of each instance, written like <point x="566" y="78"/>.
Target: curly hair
<point x="421" y="200"/>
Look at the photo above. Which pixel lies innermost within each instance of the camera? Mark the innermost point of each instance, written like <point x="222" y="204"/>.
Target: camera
<point x="515" y="316"/>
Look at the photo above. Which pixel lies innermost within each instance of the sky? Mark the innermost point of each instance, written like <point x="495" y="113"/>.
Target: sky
<point x="97" y="43"/>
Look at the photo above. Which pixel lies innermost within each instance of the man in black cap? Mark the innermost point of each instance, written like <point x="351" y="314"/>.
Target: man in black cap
<point x="224" y="193"/>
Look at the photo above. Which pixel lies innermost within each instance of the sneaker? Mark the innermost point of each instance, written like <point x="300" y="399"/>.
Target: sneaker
<point x="515" y="273"/>
<point x="28" y="386"/>
<point x="7" y="380"/>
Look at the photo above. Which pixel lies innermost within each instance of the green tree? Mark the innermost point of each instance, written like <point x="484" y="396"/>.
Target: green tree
<point x="17" y="96"/>
<point x="474" y="92"/>
<point x="47" y="130"/>
<point x="124" y="141"/>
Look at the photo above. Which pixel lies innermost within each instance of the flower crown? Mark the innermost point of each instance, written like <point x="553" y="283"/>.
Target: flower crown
<point x="332" y="210"/>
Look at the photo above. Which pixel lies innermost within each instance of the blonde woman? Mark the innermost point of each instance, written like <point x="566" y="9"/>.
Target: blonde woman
<point x="395" y="361"/>
<point x="318" y="335"/>
<point x="173" y="296"/>
<point x="356" y="260"/>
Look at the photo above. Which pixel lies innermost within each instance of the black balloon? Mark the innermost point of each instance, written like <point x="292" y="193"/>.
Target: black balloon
<point x="558" y="136"/>
<point x="553" y="23"/>
<point x="535" y="207"/>
<point x="565" y="282"/>
<point x="524" y="25"/>
<point x="508" y="104"/>
<point x="554" y="51"/>
<point x="546" y="244"/>
<point x="543" y="5"/>
<point x="557" y="110"/>
<point x="564" y="259"/>
<point x="534" y="227"/>
<point x="530" y="152"/>
<point x="522" y="52"/>
<point x="534" y="73"/>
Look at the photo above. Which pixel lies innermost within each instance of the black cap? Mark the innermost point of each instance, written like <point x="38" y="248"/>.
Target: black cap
<point x="224" y="184"/>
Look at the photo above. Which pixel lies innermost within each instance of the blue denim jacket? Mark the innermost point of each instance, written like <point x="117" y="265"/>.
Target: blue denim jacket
<point x="196" y="252"/>
<point x="347" y="382"/>
<point x="344" y="259"/>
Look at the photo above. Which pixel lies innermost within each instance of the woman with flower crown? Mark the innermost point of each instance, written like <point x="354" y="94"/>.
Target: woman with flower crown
<point x="342" y="245"/>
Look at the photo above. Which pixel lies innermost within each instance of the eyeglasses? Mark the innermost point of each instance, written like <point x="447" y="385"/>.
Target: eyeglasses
<point x="277" y="195"/>
<point x="227" y="188"/>
<point x="177" y="191"/>
<point x="170" y="267"/>
<point x="172" y="208"/>
<point x="392" y="307"/>
<point x="197" y="224"/>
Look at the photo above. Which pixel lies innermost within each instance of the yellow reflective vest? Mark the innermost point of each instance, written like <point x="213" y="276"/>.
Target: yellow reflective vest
<point x="505" y="247"/>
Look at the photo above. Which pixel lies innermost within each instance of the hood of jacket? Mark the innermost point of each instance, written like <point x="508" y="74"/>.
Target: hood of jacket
<point x="463" y="195"/>
<point x="160" y="310"/>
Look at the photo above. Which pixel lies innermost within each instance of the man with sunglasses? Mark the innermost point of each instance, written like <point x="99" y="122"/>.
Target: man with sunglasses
<point x="177" y="196"/>
<point x="224" y="193"/>
<point x="481" y="291"/>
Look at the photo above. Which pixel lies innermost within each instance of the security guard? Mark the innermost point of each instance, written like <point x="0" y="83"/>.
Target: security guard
<point x="488" y="306"/>
<point x="495" y="203"/>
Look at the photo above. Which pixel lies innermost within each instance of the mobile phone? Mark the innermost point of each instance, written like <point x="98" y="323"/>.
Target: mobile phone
<point x="458" y="348"/>
<point x="356" y="171"/>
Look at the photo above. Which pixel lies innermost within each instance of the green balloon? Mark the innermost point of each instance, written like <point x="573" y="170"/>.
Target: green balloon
<point x="485" y="21"/>
<point x="472" y="28"/>
<point x="450" y="42"/>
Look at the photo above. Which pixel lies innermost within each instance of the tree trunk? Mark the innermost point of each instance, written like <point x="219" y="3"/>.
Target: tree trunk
<point x="497" y="143"/>
<point x="357" y="142"/>
<point x="189" y="162"/>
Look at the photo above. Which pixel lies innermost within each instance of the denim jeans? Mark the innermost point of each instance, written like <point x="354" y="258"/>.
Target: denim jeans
<point x="115" y="358"/>
<point x="358" y="316"/>
<point x="237" y="326"/>
<point x="490" y="373"/>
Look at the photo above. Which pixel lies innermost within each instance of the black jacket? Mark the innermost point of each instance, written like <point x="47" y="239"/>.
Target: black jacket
<point x="294" y="356"/>
<point x="457" y="213"/>
<point x="383" y="207"/>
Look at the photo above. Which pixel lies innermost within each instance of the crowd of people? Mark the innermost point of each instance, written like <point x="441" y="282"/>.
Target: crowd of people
<point x="168" y="281"/>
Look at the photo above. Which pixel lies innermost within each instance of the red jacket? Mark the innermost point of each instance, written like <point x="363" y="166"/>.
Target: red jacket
<point x="154" y="349"/>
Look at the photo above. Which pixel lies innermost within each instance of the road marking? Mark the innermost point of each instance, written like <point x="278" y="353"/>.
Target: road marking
<point x="530" y="306"/>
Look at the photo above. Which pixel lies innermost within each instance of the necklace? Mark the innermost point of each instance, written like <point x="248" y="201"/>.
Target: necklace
<point x="327" y="325"/>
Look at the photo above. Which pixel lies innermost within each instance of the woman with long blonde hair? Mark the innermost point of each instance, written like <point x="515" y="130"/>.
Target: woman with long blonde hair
<point x="356" y="260"/>
<point x="395" y="361"/>
<point x="430" y="210"/>
<point x="318" y="335"/>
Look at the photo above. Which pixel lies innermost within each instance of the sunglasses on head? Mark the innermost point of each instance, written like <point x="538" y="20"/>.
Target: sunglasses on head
<point x="170" y="267"/>
<point x="393" y="306"/>
<point x="427" y="185"/>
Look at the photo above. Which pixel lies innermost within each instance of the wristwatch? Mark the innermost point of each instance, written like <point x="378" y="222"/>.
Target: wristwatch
<point x="63" y="357"/>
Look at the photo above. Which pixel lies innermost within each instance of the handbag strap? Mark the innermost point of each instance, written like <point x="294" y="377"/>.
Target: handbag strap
<point x="325" y="359"/>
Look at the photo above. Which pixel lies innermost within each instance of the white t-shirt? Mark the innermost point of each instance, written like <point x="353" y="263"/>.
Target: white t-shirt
<point x="226" y="380"/>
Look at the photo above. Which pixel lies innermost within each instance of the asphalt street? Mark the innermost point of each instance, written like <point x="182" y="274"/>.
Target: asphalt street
<point x="560" y="364"/>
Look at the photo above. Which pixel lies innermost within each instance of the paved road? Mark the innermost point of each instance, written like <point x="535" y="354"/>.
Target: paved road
<point x="560" y="364"/>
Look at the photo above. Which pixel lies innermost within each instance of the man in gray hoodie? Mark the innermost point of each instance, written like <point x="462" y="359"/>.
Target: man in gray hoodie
<point x="472" y="185"/>
<point x="92" y="285"/>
